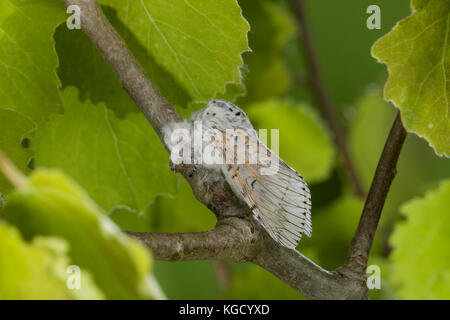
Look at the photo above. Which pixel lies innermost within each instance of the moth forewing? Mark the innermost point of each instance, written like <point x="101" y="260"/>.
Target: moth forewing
<point x="276" y="194"/>
<point x="269" y="192"/>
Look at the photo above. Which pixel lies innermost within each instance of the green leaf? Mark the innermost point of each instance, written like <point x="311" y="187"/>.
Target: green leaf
<point x="14" y="127"/>
<point x="28" y="82"/>
<point x="198" y="43"/>
<point x="37" y="270"/>
<point x="421" y="259"/>
<point x="255" y="283"/>
<point x="86" y="69"/>
<point x="121" y="163"/>
<point x="76" y="68"/>
<point x="271" y="27"/>
<point x="28" y="59"/>
<point x="50" y="204"/>
<point x="305" y="143"/>
<point x="417" y="54"/>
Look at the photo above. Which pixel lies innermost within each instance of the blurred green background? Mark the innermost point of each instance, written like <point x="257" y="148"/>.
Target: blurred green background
<point x="93" y="131"/>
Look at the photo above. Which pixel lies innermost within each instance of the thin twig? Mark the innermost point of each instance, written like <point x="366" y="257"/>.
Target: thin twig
<point x="15" y="177"/>
<point x="322" y="96"/>
<point x="241" y="240"/>
<point x="384" y="174"/>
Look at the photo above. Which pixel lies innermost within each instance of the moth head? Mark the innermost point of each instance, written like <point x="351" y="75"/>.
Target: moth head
<point x="224" y="113"/>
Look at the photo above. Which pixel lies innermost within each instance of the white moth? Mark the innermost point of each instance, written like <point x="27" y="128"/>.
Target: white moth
<point x="276" y="194"/>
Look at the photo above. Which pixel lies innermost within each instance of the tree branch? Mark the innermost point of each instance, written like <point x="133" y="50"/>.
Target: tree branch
<point x="242" y="240"/>
<point x="232" y="239"/>
<point x="323" y="99"/>
<point x="384" y="174"/>
<point x="236" y="237"/>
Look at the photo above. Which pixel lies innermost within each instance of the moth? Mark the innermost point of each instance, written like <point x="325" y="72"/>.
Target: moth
<point x="277" y="195"/>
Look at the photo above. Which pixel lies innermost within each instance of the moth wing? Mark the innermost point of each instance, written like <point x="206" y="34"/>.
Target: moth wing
<point x="281" y="201"/>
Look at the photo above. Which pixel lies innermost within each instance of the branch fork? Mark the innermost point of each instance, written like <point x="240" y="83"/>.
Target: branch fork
<point x="237" y="236"/>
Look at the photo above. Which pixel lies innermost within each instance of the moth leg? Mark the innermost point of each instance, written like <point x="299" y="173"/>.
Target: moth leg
<point x="173" y="167"/>
<point x="193" y="171"/>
